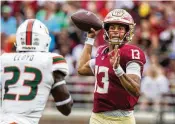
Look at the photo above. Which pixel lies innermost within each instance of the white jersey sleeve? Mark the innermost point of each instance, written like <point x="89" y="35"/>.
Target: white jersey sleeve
<point x="133" y="68"/>
<point x="59" y="63"/>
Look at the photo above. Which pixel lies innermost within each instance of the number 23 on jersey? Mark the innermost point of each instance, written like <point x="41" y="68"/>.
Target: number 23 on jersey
<point x="33" y="84"/>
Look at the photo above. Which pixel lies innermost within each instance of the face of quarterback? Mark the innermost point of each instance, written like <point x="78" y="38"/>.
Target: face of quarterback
<point x="116" y="31"/>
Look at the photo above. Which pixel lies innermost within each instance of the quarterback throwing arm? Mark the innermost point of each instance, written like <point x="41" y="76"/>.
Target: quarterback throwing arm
<point x="84" y="67"/>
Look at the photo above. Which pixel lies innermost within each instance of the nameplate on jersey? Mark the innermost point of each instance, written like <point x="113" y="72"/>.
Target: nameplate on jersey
<point x="23" y="57"/>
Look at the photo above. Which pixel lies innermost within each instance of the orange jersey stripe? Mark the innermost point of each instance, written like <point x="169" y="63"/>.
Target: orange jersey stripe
<point x="60" y="62"/>
<point x="58" y="59"/>
<point x="29" y="32"/>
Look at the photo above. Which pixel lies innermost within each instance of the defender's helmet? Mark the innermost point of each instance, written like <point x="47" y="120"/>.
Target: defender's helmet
<point x="32" y="35"/>
<point x="119" y="16"/>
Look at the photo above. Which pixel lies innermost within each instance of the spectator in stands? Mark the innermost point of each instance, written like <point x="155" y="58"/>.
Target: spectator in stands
<point x="8" y="22"/>
<point x="152" y="59"/>
<point x="170" y="71"/>
<point x="48" y="17"/>
<point x="9" y="44"/>
<point x="167" y="40"/>
<point x="78" y="49"/>
<point x="3" y="38"/>
<point x="64" y="50"/>
<point x="62" y="17"/>
<point x="171" y="76"/>
<point x="29" y="13"/>
<point x="63" y="47"/>
<point x="128" y="4"/>
<point x="154" y="85"/>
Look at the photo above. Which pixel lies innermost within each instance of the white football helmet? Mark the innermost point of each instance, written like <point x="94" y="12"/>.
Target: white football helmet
<point x="32" y="35"/>
<point x="119" y="16"/>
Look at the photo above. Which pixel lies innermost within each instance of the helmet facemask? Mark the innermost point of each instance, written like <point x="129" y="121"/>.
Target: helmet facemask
<point x="117" y="41"/>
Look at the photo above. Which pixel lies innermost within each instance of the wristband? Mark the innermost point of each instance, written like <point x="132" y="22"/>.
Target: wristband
<point x="63" y="102"/>
<point x="119" y="71"/>
<point x="90" y="41"/>
<point x="58" y="84"/>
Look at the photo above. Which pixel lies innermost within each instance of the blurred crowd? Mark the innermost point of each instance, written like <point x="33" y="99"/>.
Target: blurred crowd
<point x="154" y="33"/>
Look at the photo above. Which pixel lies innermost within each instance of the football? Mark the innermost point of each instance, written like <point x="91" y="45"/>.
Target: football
<point x="85" y="20"/>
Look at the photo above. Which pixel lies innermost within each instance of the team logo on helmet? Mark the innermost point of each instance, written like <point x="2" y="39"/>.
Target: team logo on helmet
<point x="118" y="13"/>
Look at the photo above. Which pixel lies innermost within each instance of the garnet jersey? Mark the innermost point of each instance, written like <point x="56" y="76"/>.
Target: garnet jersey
<point x="109" y="93"/>
<point x="27" y="81"/>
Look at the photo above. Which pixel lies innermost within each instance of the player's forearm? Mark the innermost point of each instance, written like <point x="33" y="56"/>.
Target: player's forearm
<point x="130" y="85"/>
<point x="85" y="56"/>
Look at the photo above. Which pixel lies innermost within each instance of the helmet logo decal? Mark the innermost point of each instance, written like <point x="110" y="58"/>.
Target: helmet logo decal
<point x="29" y="32"/>
<point x="118" y="13"/>
<point x="36" y="43"/>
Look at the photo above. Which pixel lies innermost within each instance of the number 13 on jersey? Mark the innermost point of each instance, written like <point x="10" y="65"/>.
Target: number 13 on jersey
<point x="104" y="80"/>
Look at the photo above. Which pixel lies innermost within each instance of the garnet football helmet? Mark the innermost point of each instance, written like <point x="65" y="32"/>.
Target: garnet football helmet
<point x="119" y="16"/>
<point x="32" y="35"/>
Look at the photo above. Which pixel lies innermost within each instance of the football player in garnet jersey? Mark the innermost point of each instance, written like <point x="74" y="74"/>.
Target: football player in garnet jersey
<point x="117" y="68"/>
<point x="30" y="75"/>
